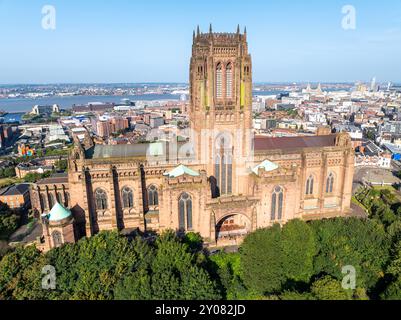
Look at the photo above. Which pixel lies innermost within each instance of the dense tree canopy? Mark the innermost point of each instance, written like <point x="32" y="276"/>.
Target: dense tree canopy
<point x="362" y="244"/>
<point x="108" y="266"/>
<point x="262" y="261"/>
<point x="9" y="221"/>
<point x="299" y="249"/>
<point x="298" y="261"/>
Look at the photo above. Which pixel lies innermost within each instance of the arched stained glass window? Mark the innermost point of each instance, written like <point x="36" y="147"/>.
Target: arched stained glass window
<point x="57" y="239"/>
<point x="101" y="199"/>
<point x="277" y="203"/>
<point x="219" y="81"/>
<point x="153" y="196"/>
<point x="229" y="174"/>
<point x="224" y="166"/>
<point x="330" y="183"/>
<point x="309" y="185"/>
<point x="229" y="81"/>
<point x="128" y="197"/>
<point x="185" y="211"/>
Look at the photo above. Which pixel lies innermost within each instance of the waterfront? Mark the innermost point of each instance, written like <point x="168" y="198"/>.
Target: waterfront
<point x="25" y="105"/>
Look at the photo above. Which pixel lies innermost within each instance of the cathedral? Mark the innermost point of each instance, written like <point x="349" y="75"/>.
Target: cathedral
<point x="222" y="182"/>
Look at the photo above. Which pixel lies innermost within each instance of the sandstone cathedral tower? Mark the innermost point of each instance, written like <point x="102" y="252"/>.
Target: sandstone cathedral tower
<point x="221" y="105"/>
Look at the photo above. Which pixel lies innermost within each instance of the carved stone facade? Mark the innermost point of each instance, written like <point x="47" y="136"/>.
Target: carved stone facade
<point x="231" y="182"/>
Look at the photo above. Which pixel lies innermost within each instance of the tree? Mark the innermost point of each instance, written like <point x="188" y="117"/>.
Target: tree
<point x="262" y="261"/>
<point x="393" y="288"/>
<point x="9" y="221"/>
<point x="392" y="291"/>
<point x="90" y="269"/>
<point x="362" y="244"/>
<point x="328" y="288"/>
<point x="299" y="249"/>
<point x="34" y="177"/>
<point x="294" y="295"/>
<point x="194" y="241"/>
<point x="8" y="172"/>
<point x="61" y="165"/>
<point x="227" y="269"/>
<point x="12" y="268"/>
<point x="108" y="266"/>
<point x="171" y="273"/>
<point x="394" y="231"/>
<point x="383" y="213"/>
<point x="370" y="134"/>
<point x="175" y="274"/>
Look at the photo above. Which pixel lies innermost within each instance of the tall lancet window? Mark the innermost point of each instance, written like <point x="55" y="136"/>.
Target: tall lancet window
<point x="153" y="196"/>
<point x="229" y="81"/>
<point x="330" y="183"/>
<point x="100" y="199"/>
<point x="223" y="167"/>
<point x="309" y="185"/>
<point x="277" y="203"/>
<point x="219" y="81"/>
<point x="185" y="211"/>
<point x="57" y="239"/>
<point x="128" y="197"/>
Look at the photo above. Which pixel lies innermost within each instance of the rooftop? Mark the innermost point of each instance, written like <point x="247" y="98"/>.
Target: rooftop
<point x="266" y="165"/>
<point x="156" y="149"/>
<point x="59" y="213"/>
<point x="18" y="189"/>
<point x="125" y="150"/>
<point x="55" y="179"/>
<point x="181" y="170"/>
<point x="284" y="143"/>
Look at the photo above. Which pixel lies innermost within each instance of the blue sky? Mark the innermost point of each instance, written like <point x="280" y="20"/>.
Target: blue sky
<point x="150" y="40"/>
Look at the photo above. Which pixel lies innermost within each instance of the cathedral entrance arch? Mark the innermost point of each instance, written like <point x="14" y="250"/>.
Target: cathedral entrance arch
<point x="232" y="229"/>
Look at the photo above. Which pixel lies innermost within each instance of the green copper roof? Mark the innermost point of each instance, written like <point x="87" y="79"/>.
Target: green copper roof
<point x="59" y="213"/>
<point x="181" y="170"/>
<point x="266" y="165"/>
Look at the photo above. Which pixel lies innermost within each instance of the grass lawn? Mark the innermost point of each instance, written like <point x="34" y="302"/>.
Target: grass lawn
<point x="389" y="188"/>
<point x="8" y="181"/>
<point x="355" y="201"/>
<point x="394" y="191"/>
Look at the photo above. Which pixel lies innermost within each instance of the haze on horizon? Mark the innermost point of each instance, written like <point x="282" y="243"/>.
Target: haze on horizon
<point x="150" y="41"/>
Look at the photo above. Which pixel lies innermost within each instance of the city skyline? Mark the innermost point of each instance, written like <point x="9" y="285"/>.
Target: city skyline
<point x="286" y="43"/>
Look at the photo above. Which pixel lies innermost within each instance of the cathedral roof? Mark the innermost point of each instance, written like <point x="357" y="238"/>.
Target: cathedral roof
<point x="57" y="178"/>
<point x="181" y="170"/>
<point x="284" y="143"/>
<point x="155" y="149"/>
<point x="266" y="165"/>
<point x="59" y="213"/>
<point x="125" y="150"/>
